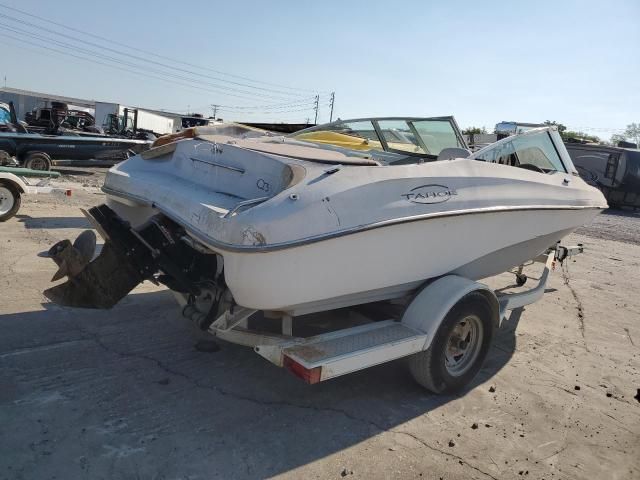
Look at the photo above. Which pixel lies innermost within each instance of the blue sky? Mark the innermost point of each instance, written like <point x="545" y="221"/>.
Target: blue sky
<point x="577" y="62"/>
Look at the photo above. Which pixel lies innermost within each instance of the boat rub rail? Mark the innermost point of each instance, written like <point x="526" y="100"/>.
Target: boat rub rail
<point x="200" y="236"/>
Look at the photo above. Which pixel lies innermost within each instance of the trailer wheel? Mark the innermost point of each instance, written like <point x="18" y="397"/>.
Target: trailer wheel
<point x="458" y="348"/>
<point x="9" y="201"/>
<point x="38" y="161"/>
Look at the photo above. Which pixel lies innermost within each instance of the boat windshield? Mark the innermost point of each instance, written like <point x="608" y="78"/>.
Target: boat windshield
<point x="534" y="150"/>
<point x="425" y="137"/>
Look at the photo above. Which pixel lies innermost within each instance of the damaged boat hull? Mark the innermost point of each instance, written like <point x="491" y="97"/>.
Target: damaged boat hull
<point x="283" y="233"/>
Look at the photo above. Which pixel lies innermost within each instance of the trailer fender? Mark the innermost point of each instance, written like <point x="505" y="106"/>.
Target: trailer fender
<point x="431" y="304"/>
<point x="14" y="181"/>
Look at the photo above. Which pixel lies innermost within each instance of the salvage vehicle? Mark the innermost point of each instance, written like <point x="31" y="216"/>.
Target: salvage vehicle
<point x="38" y="152"/>
<point x="384" y="224"/>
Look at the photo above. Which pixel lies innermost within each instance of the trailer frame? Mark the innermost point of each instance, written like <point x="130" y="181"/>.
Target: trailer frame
<point x="335" y="353"/>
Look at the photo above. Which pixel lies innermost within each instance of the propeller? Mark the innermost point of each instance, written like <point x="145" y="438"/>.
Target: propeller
<point x="72" y="259"/>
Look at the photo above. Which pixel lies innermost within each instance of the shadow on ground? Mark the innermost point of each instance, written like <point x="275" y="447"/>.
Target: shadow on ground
<point x="53" y="222"/>
<point x="73" y="167"/>
<point x="86" y="392"/>
<point x="622" y="212"/>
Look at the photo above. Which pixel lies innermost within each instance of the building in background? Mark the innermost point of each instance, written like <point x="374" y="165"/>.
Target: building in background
<point x="25" y="101"/>
<point x="106" y="114"/>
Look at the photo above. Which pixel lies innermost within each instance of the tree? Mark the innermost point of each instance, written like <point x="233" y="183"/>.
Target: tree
<point x="567" y="134"/>
<point x="632" y="132"/>
<point x="616" y="137"/>
<point x="561" y="127"/>
<point x="474" y="130"/>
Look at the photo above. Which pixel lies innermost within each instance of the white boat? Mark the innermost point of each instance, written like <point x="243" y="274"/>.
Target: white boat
<point x="337" y="226"/>
<point x="348" y="213"/>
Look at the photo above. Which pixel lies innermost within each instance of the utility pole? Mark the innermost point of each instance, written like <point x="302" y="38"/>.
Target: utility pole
<point x="333" y="99"/>
<point x="316" y="108"/>
<point x="215" y="110"/>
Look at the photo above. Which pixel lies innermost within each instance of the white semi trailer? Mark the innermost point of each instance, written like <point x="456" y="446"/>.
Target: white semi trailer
<point x="146" y="120"/>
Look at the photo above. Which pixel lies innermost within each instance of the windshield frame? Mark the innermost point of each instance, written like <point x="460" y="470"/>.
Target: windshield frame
<point x="381" y="138"/>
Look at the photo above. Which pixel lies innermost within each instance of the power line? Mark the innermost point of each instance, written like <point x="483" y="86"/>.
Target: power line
<point x="305" y="107"/>
<point x="308" y="109"/>
<point x="274" y="108"/>
<point x="273" y="113"/>
<point x="136" y="57"/>
<point x="146" y="71"/>
<point x="76" y="49"/>
<point x="173" y="82"/>
<point x="149" y="53"/>
<point x="121" y="61"/>
<point x="308" y="101"/>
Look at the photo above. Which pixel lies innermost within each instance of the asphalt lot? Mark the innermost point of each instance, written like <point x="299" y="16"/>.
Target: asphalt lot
<point x="125" y="394"/>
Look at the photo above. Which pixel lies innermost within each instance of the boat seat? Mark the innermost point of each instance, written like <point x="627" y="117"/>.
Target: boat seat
<point x="453" y="152"/>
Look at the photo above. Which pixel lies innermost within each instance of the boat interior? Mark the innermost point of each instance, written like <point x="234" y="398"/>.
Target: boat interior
<point x="416" y="139"/>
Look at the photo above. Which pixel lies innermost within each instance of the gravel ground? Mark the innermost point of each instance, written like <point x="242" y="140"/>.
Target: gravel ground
<point x="124" y="394"/>
<point x="618" y="225"/>
<point x="87" y="177"/>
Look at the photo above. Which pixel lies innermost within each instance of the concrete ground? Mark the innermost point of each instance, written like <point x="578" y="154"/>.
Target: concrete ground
<point x="124" y="394"/>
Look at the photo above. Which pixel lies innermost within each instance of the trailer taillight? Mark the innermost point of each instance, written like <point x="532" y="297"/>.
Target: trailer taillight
<point x="309" y="375"/>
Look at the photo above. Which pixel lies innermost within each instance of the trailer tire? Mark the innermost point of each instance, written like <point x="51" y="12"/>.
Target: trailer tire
<point x="37" y="161"/>
<point x="433" y="369"/>
<point x="9" y="200"/>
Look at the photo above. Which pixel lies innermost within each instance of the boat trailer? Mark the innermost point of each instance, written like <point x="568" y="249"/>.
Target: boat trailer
<point x="16" y="182"/>
<point x="444" y="328"/>
<point x="328" y="355"/>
